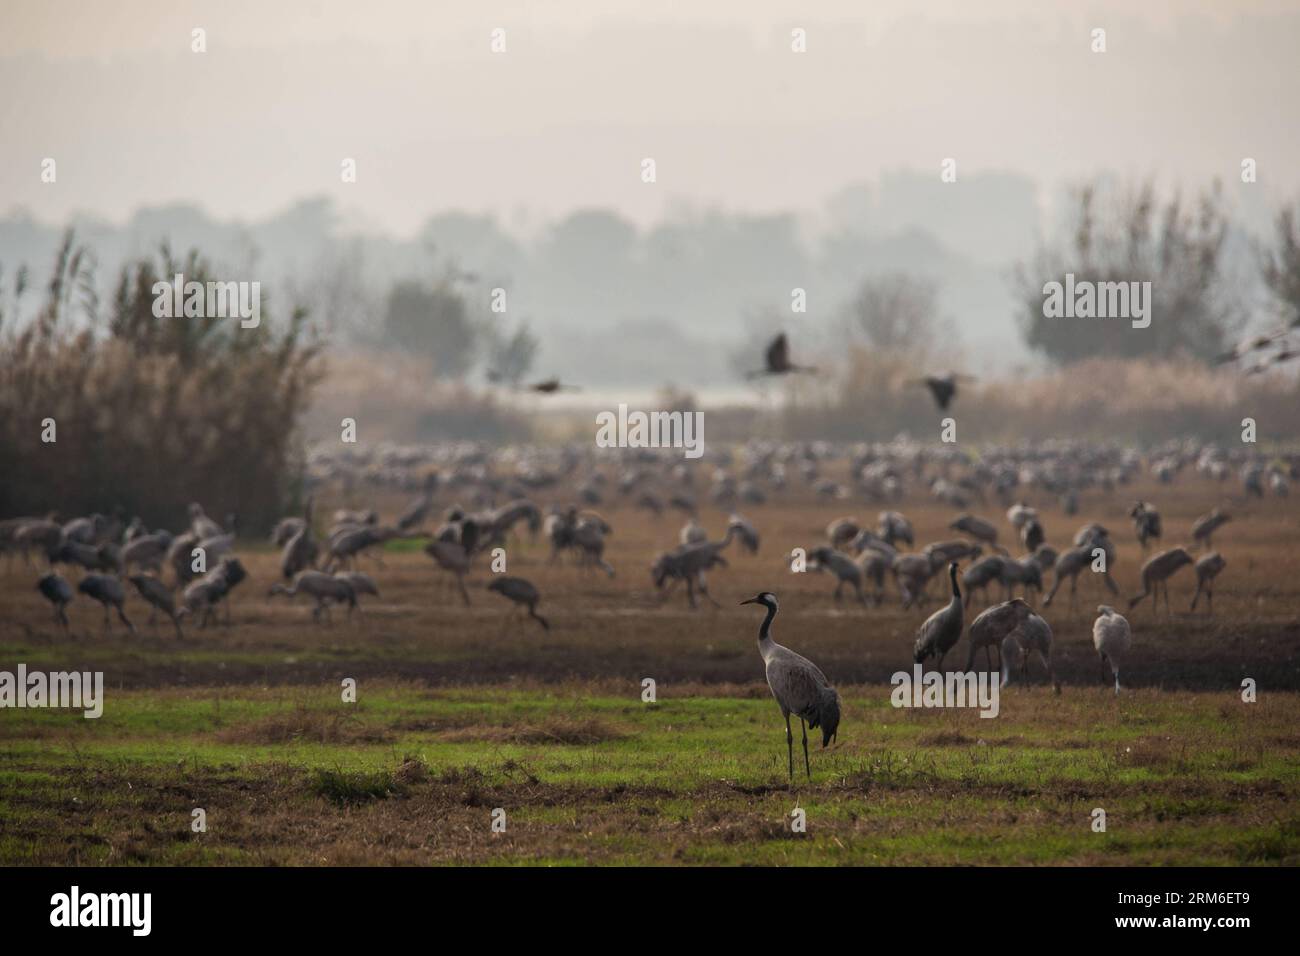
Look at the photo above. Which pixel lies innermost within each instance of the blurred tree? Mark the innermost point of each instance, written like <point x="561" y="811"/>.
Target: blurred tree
<point x="434" y="322"/>
<point x="161" y="411"/>
<point x="1281" y="264"/>
<point x="1194" y="309"/>
<point x="510" y="356"/>
<point x="897" y="312"/>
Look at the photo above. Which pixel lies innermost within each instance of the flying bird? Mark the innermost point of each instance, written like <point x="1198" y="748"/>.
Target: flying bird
<point x="943" y="387"/>
<point x="550" y="386"/>
<point x="778" y="361"/>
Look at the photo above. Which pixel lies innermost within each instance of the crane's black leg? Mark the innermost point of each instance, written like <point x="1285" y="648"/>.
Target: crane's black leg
<point x="806" y="765"/>
<point x="789" y="745"/>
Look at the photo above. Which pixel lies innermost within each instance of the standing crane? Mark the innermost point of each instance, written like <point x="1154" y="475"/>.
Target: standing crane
<point x="942" y="629"/>
<point x="159" y="597"/>
<point x="1207" y="569"/>
<point x="107" y="590"/>
<point x="58" y="592"/>
<point x="523" y="593"/>
<point x="799" y="686"/>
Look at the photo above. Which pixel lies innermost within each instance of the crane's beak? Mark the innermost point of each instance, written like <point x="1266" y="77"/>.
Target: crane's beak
<point x="750" y="601"/>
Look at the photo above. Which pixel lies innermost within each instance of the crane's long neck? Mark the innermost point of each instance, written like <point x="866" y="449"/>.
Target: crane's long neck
<point x="956" y="591"/>
<point x="765" y="629"/>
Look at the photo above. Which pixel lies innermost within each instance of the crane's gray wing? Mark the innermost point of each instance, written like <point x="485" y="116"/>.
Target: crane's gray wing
<point x="796" y="683"/>
<point x="925" y="635"/>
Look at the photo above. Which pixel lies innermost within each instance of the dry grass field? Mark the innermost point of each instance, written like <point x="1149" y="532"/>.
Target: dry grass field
<point x="462" y="710"/>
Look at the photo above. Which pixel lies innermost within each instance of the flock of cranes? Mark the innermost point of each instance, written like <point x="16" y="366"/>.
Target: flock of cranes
<point x="469" y="501"/>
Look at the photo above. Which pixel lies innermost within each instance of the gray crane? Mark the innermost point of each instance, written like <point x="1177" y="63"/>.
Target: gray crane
<point x="418" y="509"/>
<point x="842" y="566"/>
<point x="323" y="588"/>
<point x="692" y="533"/>
<point x="204" y="595"/>
<point x="979" y="529"/>
<point x="941" y="552"/>
<point x="348" y="543"/>
<point x="201" y="526"/>
<point x="1072" y="561"/>
<point x="451" y="557"/>
<point x="689" y="563"/>
<point x="777" y="359"/>
<point x="107" y="590"/>
<point x="1032" y="534"/>
<point x="991" y="628"/>
<point x="799" y="686"/>
<point x="361" y="583"/>
<point x="147" y="551"/>
<point x="1146" y="522"/>
<point x="40" y="533"/>
<point x="217" y="546"/>
<point x="745" y="532"/>
<point x="1033" y="636"/>
<point x="1156" y="573"/>
<point x="1024" y="571"/>
<point x="58" y="592"/>
<point x="1207" y="569"/>
<point x="874" y="564"/>
<point x="300" y="550"/>
<point x="942" y="629"/>
<point x="181" y="557"/>
<point x="841" y="531"/>
<point x="912" y="572"/>
<point x="894" y="527"/>
<point x="159" y="597"/>
<point x="589" y="539"/>
<point x="1204" y="527"/>
<point x="981" y="574"/>
<point x="522" y="593"/>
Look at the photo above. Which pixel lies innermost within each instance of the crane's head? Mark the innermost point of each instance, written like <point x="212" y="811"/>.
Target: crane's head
<point x="765" y="598"/>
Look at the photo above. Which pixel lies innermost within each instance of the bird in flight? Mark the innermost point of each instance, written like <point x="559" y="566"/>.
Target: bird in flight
<point x="550" y="386"/>
<point x="778" y="361"/>
<point x="943" y="387"/>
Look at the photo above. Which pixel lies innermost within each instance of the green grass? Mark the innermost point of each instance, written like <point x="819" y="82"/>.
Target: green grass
<point x="410" y="775"/>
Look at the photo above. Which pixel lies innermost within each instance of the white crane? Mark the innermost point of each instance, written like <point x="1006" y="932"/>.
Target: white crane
<point x="1112" y="637"/>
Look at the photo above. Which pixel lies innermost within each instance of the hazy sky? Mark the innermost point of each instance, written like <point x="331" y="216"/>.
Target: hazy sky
<point x="586" y="90"/>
